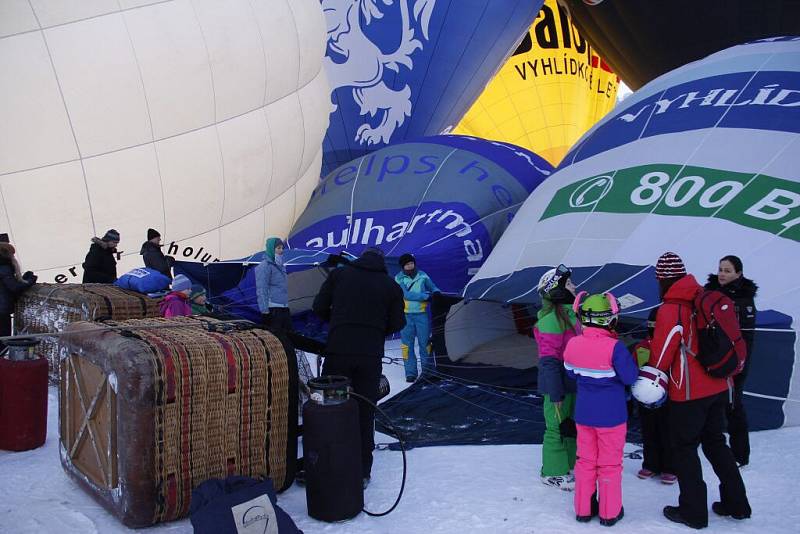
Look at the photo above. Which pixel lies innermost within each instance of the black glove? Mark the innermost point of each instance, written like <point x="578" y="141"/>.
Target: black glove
<point x="29" y="277"/>
<point x="568" y="428"/>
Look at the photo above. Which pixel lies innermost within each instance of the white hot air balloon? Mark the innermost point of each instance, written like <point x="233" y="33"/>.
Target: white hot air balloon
<point x="703" y="161"/>
<point x="203" y="119"/>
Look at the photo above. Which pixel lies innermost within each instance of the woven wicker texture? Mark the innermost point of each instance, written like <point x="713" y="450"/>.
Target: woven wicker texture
<point x="221" y="406"/>
<point x="51" y="307"/>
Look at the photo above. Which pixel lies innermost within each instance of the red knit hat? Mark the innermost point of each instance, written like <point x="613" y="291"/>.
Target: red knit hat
<point x="670" y="265"/>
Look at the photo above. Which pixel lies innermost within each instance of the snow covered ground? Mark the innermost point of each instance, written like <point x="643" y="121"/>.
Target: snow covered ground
<point x="449" y="490"/>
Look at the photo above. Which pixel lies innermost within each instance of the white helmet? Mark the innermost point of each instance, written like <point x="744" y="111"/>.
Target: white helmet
<point x="552" y="283"/>
<point x="651" y="387"/>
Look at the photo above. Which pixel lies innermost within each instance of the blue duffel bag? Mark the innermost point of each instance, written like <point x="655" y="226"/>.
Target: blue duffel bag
<point x="143" y="280"/>
<point x="238" y="505"/>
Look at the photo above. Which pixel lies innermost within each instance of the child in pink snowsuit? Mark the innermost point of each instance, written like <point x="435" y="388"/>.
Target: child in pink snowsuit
<point x="602" y="367"/>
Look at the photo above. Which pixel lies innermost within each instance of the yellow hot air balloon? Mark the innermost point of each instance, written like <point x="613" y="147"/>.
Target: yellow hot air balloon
<point x="550" y="91"/>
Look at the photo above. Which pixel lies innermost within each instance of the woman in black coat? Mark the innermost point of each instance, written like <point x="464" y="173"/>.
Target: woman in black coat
<point x="11" y="286"/>
<point x="742" y="291"/>
<point x="100" y="266"/>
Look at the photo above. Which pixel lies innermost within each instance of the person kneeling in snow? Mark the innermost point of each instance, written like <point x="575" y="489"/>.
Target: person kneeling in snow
<point x="176" y="303"/>
<point x="602" y="366"/>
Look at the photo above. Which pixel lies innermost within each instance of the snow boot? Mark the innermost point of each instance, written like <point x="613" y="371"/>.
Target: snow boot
<point x="668" y="479"/>
<point x="562" y="482"/>
<point x="644" y="474"/>
<point x="720" y="509"/>
<point x="595" y="510"/>
<point x="673" y="513"/>
<point x="610" y="522"/>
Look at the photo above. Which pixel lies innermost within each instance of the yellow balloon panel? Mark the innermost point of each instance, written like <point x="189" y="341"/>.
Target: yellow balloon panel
<point x="549" y="93"/>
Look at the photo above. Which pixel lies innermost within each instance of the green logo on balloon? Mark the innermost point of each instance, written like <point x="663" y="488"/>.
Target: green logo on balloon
<point x="753" y="200"/>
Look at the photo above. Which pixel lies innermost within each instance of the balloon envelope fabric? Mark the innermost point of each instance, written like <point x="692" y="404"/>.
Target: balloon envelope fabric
<point x="551" y="90"/>
<point x="445" y="199"/>
<point x="202" y="120"/>
<point x="643" y="40"/>
<point x="701" y="161"/>
<point x="409" y="68"/>
<point x="231" y="284"/>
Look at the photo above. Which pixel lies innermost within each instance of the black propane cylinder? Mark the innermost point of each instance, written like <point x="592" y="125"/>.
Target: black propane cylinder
<point x="332" y="450"/>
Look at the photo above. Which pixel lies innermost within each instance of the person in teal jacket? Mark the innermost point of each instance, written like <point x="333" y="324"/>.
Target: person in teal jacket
<point x="272" y="289"/>
<point x="417" y="290"/>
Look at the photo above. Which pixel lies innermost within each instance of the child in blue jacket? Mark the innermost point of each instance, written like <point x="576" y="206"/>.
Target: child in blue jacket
<point x="602" y="366"/>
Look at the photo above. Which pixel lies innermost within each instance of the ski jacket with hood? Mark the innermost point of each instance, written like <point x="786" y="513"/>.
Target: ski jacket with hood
<point x="602" y="367"/>
<point x="100" y="265"/>
<point x="175" y="304"/>
<point x="363" y="305"/>
<point x="551" y="338"/>
<point x="675" y="342"/>
<point x="10" y="287"/>
<point x="272" y="286"/>
<point x="417" y="290"/>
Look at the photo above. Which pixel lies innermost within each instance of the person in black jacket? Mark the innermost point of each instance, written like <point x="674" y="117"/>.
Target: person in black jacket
<point x="100" y="266"/>
<point x="730" y="281"/>
<point x="363" y="305"/>
<point x="153" y="257"/>
<point x="11" y="284"/>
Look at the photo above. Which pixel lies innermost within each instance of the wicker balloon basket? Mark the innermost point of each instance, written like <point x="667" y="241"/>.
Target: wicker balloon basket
<point x="151" y="408"/>
<point x="47" y="308"/>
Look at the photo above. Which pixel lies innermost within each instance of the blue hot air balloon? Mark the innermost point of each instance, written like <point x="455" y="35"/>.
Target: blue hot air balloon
<point x="445" y="199"/>
<point x="401" y="69"/>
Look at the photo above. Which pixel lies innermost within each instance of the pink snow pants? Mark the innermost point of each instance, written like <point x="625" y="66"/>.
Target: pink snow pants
<point x="599" y="468"/>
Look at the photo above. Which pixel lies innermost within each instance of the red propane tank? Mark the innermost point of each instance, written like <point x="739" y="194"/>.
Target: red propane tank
<point x="23" y="404"/>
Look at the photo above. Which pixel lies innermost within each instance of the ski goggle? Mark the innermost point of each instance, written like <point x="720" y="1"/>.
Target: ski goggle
<point x="562" y="270"/>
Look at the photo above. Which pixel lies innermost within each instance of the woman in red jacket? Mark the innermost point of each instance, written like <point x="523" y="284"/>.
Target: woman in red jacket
<point x="697" y="404"/>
